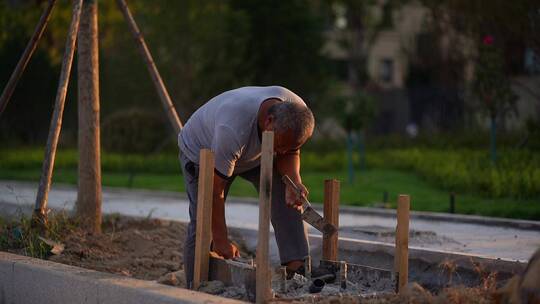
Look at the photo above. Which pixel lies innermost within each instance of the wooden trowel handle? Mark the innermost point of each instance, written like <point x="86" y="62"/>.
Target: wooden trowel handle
<point x="288" y="181"/>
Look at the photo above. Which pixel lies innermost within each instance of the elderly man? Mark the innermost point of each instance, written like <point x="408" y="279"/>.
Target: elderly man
<point x="231" y="125"/>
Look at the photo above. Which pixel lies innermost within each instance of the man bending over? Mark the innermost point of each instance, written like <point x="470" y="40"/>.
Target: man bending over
<point x="231" y="125"/>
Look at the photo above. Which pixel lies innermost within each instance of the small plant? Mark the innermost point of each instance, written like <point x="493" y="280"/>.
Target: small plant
<point x="21" y="237"/>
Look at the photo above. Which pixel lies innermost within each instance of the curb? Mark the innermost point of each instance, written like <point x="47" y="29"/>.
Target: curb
<point x="30" y="280"/>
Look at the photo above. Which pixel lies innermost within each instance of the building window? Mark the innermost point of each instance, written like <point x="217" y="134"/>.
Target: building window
<point x="386" y="72"/>
<point x="531" y="61"/>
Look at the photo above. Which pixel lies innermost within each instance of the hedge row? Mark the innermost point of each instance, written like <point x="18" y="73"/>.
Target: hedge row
<point x="517" y="173"/>
<point x="110" y="162"/>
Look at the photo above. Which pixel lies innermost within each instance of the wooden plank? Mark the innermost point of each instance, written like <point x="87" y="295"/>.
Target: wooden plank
<point x="401" y="256"/>
<point x="204" y="217"/>
<point x="331" y="215"/>
<point x="152" y="69"/>
<point x="264" y="282"/>
<point x="40" y="210"/>
<point x="25" y="58"/>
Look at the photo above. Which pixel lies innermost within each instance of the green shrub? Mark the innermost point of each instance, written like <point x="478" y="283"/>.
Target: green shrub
<point x="517" y="173"/>
<point x="133" y="130"/>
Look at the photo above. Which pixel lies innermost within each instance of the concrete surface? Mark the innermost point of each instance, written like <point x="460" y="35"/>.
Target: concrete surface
<point x="426" y="266"/>
<point x="495" y="238"/>
<point x="28" y="280"/>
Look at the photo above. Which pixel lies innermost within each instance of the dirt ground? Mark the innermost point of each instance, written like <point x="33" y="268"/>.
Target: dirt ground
<point x="143" y="249"/>
<point x="151" y="249"/>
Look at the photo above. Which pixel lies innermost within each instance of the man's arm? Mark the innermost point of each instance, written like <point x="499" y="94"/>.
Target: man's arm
<point x="219" y="227"/>
<point x="289" y="164"/>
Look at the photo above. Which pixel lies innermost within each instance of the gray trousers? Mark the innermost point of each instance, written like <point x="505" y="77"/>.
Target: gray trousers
<point x="290" y="232"/>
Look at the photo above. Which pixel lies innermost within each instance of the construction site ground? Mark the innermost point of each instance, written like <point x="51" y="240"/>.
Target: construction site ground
<point x="150" y="247"/>
<point x="431" y="233"/>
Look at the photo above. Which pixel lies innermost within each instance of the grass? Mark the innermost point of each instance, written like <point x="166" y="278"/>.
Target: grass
<point x="367" y="190"/>
<point x="19" y="236"/>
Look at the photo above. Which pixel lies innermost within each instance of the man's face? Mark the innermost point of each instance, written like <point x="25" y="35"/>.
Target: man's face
<point x="285" y="142"/>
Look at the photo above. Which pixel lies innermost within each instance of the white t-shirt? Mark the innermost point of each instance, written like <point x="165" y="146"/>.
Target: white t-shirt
<point x="227" y="124"/>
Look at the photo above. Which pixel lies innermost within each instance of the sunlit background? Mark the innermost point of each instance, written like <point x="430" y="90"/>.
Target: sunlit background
<point x="437" y="99"/>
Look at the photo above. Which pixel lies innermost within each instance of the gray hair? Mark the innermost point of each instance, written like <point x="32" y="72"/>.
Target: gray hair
<point x="293" y="116"/>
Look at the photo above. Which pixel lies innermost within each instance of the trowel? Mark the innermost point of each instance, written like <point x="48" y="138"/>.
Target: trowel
<point x="309" y="214"/>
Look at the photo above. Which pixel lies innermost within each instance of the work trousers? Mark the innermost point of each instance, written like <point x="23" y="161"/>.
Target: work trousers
<point x="289" y="229"/>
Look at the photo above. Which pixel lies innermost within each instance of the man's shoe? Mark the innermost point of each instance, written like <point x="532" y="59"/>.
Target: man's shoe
<point x="323" y="273"/>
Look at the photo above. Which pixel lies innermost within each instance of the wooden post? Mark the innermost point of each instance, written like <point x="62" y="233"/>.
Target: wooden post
<point x="263" y="276"/>
<point x="88" y="205"/>
<point x="40" y="210"/>
<point x="204" y="217"/>
<point x="401" y="256"/>
<point x="331" y="215"/>
<point x="154" y="73"/>
<point x="25" y="58"/>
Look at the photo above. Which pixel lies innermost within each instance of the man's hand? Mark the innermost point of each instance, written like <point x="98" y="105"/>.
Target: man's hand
<point x="226" y="249"/>
<point x="295" y="198"/>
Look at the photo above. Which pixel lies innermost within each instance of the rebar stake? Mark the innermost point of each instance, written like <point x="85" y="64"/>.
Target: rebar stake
<point x="308" y="267"/>
<point x="343" y="275"/>
<point x="283" y="279"/>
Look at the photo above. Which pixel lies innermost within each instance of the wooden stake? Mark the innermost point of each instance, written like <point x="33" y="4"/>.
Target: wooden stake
<point x="25" y="58"/>
<point x="204" y="217"/>
<point x="264" y="280"/>
<point x="331" y="215"/>
<point x="154" y="73"/>
<point x="88" y="205"/>
<point x="40" y="211"/>
<point x="401" y="256"/>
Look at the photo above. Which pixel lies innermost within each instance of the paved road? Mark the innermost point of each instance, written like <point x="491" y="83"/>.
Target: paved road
<point x="492" y="241"/>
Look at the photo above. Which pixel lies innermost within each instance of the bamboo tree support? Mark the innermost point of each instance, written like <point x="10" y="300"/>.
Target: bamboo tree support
<point x="88" y="205"/>
<point x="263" y="274"/>
<point x="401" y="256"/>
<point x="154" y="73"/>
<point x="331" y="215"/>
<point x="40" y="210"/>
<point x="204" y="217"/>
<point x="25" y="58"/>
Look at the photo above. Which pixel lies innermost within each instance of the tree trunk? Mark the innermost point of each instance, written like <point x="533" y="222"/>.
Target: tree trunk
<point x="88" y="208"/>
<point x="493" y="141"/>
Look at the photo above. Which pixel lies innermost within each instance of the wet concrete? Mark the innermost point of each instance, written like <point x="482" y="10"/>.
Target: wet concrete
<point x="492" y="241"/>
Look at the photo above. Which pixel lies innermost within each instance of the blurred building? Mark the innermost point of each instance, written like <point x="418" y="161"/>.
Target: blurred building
<point x="420" y="69"/>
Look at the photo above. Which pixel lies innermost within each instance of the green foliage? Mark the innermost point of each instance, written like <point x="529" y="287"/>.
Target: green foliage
<point x="491" y="85"/>
<point x="201" y="49"/>
<point x="133" y="130"/>
<point x="464" y="170"/>
<point x="467" y="171"/>
<point x="19" y="236"/>
<point x="284" y="45"/>
<point x="517" y="174"/>
<point x="354" y="112"/>
<point x="512" y="21"/>
<point x="17" y="159"/>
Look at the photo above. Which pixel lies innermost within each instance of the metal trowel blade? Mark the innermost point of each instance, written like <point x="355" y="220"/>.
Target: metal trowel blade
<point x="315" y="219"/>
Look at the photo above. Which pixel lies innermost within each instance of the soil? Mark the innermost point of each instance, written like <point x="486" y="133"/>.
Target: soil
<point x="144" y="249"/>
<point x="151" y="249"/>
